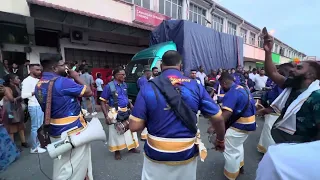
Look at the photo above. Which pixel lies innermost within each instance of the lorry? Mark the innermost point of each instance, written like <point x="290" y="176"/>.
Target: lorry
<point x="198" y="45"/>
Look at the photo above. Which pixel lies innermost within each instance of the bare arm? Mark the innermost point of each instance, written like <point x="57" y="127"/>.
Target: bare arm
<point x="8" y="94"/>
<point x="219" y="126"/>
<point x="270" y="68"/>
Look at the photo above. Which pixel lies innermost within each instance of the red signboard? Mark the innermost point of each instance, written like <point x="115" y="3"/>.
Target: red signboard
<point x="145" y="16"/>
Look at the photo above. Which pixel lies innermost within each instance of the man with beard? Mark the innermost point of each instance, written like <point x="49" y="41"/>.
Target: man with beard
<point x="270" y="116"/>
<point x="34" y="108"/>
<point x="299" y="103"/>
<point x="65" y="115"/>
<point x="238" y="110"/>
<point x="155" y="72"/>
<point x="116" y="109"/>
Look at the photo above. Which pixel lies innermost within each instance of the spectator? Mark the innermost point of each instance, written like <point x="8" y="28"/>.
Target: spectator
<point x="99" y="84"/>
<point x="253" y="74"/>
<point x="250" y="83"/>
<point x="83" y="65"/>
<point x="260" y="80"/>
<point x="14" y="69"/>
<point x="155" y="72"/>
<point x="75" y="65"/>
<point x="201" y="75"/>
<point x="88" y="79"/>
<point x="13" y="114"/>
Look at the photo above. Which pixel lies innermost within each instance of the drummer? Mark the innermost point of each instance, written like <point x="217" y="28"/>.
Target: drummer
<point x="116" y="109"/>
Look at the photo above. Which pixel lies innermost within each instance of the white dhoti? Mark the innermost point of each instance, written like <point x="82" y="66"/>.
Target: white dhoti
<point x="73" y="165"/>
<point x="117" y="142"/>
<point x="144" y="134"/>
<point x="160" y="171"/>
<point x="234" y="152"/>
<point x="266" y="139"/>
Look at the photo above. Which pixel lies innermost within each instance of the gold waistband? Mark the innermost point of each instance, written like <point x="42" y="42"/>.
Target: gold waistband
<point x="67" y="120"/>
<point x="170" y="144"/>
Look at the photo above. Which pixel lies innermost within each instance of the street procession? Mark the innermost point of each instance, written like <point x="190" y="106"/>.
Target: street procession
<point x="158" y="90"/>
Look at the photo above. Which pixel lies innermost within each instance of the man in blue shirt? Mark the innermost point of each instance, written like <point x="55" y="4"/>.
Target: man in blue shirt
<point x="65" y="115"/>
<point x="141" y="82"/>
<point x="144" y="79"/>
<point x="172" y="148"/>
<point x="238" y="109"/>
<point x="117" y="110"/>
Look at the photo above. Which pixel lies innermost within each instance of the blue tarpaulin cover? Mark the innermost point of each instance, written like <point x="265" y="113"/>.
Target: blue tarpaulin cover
<point x="200" y="45"/>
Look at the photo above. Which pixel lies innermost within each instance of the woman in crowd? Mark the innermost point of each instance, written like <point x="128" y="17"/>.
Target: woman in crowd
<point x="13" y="117"/>
<point x="8" y="150"/>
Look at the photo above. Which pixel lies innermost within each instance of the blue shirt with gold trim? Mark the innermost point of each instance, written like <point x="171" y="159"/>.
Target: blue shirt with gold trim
<point x="65" y="108"/>
<point x="121" y="92"/>
<point x="168" y="139"/>
<point x="235" y="101"/>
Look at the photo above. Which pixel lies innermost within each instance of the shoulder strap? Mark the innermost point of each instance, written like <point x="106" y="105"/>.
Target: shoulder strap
<point x="175" y="101"/>
<point x="114" y="94"/>
<point x="47" y="116"/>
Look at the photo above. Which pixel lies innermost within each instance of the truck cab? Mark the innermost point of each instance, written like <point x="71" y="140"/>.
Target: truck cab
<point x="145" y="59"/>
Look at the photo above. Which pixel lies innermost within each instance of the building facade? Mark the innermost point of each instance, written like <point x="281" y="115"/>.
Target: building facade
<point x="110" y="32"/>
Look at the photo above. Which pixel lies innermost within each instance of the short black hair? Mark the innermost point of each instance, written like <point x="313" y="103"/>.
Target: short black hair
<point x="154" y="68"/>
<point x="315" y="66"/>
<point x="146" y="70"/>
<point x="116" y="71"/>
<point x="32" y="65"/>
<point x="233" y="69"/>
<point x="47" y="59"/>
<point x="99" y="75"/>
<point x="86" y="69"/>
<point x="171" y="58"/>
<point x="193" y="70"/>
<point x="225" y="76"/>
<point x="254" y="69"/>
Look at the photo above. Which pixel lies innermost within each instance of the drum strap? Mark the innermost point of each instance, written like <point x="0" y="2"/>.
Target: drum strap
<point x="174" y="99"/>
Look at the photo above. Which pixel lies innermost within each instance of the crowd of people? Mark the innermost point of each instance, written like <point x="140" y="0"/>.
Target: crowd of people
<point x="166" y="112"/>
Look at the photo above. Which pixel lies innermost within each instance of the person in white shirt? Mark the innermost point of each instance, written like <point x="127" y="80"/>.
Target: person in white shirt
<point x="35" y="111"/>
<point x="253" y="74"/>
<point x="99" y="84"/>
<point x="260" y="80"/>
<point x="88" y="79"/>
<point x="201" y="75"/>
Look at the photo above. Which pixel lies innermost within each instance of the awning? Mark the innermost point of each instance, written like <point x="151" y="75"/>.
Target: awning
<point x="62" y="8"/>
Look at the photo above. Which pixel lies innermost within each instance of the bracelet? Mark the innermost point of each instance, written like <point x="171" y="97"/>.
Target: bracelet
<point x="219" y="141"/>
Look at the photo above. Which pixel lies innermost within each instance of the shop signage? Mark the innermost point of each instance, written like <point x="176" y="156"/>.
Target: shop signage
<point x="145" y="16"/>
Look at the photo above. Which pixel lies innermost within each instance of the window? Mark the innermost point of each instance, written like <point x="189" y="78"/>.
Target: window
<point x="142" y="3"/>
<point x="275" y="48"/>
<point x="217" y="23"/>
<point x="232" y="28"/>
<point x="252" y="38"/>
<point x="243" y="34"/>
<point x="260" y="42"/>
<point x="197" y="14"/>
<point x="172" y="8"/>
<point x="134" y="69"/>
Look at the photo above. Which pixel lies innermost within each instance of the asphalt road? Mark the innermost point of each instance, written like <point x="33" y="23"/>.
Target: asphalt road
<point x="130" y="167"/>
